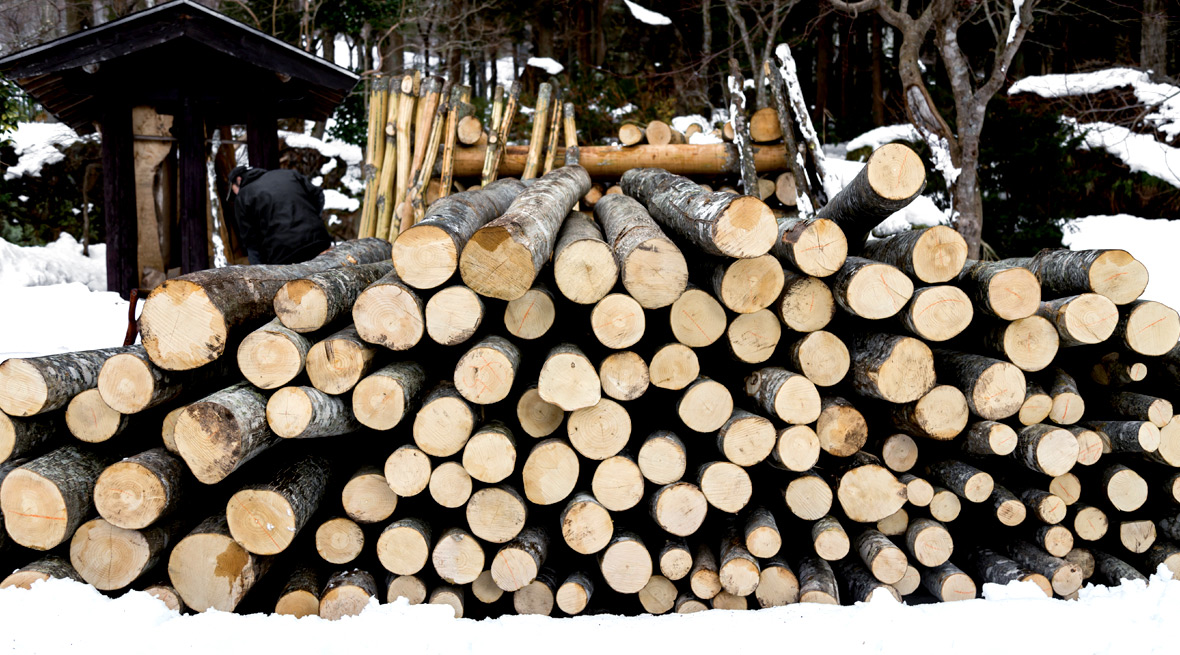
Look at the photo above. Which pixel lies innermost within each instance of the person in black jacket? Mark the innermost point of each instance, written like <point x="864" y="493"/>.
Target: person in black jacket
<point x="278" y="215"/>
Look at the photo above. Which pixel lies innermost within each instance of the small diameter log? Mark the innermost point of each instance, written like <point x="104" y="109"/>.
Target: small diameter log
<point x="1046" y="449"/>
<point x="404" y="546"/>
<point x="586" y="526"/>
<point x="1036" y="406"/>
<point x="812" y="246"/>
<point x="490" y="454"/>
<point x="718" y="223"/>
<point x="1045" y="506"/>
<point x="1148" y="327"/>
<point x="675" y="559"/>
<point x="882" y="557"/>
<point x="584" y="263"/>
<point x="337" y="363"/>
<point x="817" y="582"/>
<point x="947" y="583"/>
<point x="651" y="267"/>
<point x="739" y="571"/>
<point x="1110" y="371"/>
<point x="450" y="485"/>
<point x="301" y="595"/>
<point x="796" y="448"/>
<point x="746" y="439"/>
<point x="662" y="457"/>
<point x="574" y="594"/>
<point x="1067" y="487"/>
<point x="933" y="255"/>
<point x="893" y="368"/>
<point x="1030" y="343"/>
<point x="129" y="383"/>
<point x="45" y="500"/>
<point x="937" y="313"/>
<point x="1168" y="451"/>
<point x="617" y="483"/>
<point x="895" y="525"/>
<point x="537" y="597"/>
<point x="867" y="491"/>
<point x="1088" y="523"/>
<point x="485" y="373"/>
<point x="211" y="570"/>
<point x="1068" y="404"/>
<point x="109" y="557"/>
<point x="210" y="305"/>
<point x="898" y="452"/>
<point x="568" y="379"/>
<point x="928" y="542"/>
<point x="1140" y="407"/>
<point x="820" y="356"/>
<point x="940" y="414"/>
<point x="35" y="385"/>
<point x="50" y="566"/>
<point x="453" y="315"/>
<point x="806" y="304"/>
<point x="777" y="584"/>
<point x="1114" y="274"/>
<point x="625" y="563"/>
<point x="1065" y="577"/>
<point x="1002" y="290"/>
<point x="919" y="491"/>
<point x="1164" y="554"/>
<point x="910" y="583"/>
<point x="91" y="420"/>
<point x="786" y="190"/>
<point x="705" y="405"/>
<point x="679" y="508"/>
<point x="137" y="491"/>
<point x="1124" y="488"/>
<point x="630" y="134"/>
<point x="496" y="514"/>
<point x="503" y="258"/>
<point x="791" y="397"/>
<point x="890" y="180"/>
<point x="307" y="413"/>
<point x="726" y="486"/>
<point x="829" y="539"/>
<point x="407" y="471"/>
<point x="531" y="315"/>
<point x="660" y="133"/>
<point x="1057" y="540"/>
<point x="1128" y="436"/>
<point x="871" y="290"/>
<point x="519" y="561"/>
<point x="624" y="376"/>
<point x="366" y="497"/>
<point x="860" y="584"/>
<point x="674" y="367"/>
<point x="994" y="389"/>
<point x="273" y="355"/>
<point x="808" y="496"/>
<point x="450" y="596"/>
<point x="1081" y="320"/>
<point x="218" y="434"/>
<point x="265" y="517"/>
<point x="347" y="593"/>
<point x="944" y="504"/>
<point x="761" y="534"/>
<point x="1137" y="536"/>
<point x="484" y="589"/>
<point x="389" y="313"/>
<point x="697" y="319"/>
<point x="745" y="286"/>
<point x="1083" y="558"/>
<point x="841" y="429"/>
<point x="550" y="472"/>
<point x="168" y="429"/>
<point x="537" y="417"/>
<point x="339" y="540"/>
<point x="470" y="131"/>
<point x="443" y="425"/>
<point x="703" y="580"/>
<point x="21" y="436"/>
<point x="658" y="596"/>
<point x="965" y="480"/>
<point x="311" y="303"/>
<point x="382" y="398"/>
<point x="995" y="568"/>
<point x="618" y="321"/>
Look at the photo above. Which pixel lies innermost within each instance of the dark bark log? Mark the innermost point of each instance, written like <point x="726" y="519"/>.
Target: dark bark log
<point x="386" y="395"/>
<point x="990" y="438"/>
<point x="842" y="429"/>
<point x="347" y="593"/>
<point x="829" y="540"/>
<point x="1046" y="449"/>
<point x="265" y="517"/>
<point x="519" y="561"/>
<point x="817" y="582"/>
<point x="937" y="313"/>
<point x="928" y="542"/>
<point x="301" y="595"/>
<point x="485" y="373"/>
<point x="311" y="303"/>
<point x="1148" y="327"/>
<point x="891" y="179"/>
<point x="1112" y="571"/>
<point x="1127" y="436"/>
<point x="308" y="413"/>
<point x="860" y="585"/>
<point x="994" y="389"/>
<point x="870" y="289"/>
<point x="219" y="433"/>
<point x="886" y="562"/>
<point x="997" y="569"/>
<point x="50" y="566"/>
<point x="940" y="414"/>
<point x="45" y="500"/>
<point x="1111" y="273"/>
<point x="893" y="368"/>
<point x="807" y="303"/>
<point x="273" y="355"/>
<point x="1081" y="320"/>
<point x="933" y="255"/>
<point x="965" y="480"/>
<point x="36" y="385"/>
<point x="1140" y="407"/>
<point x="21" y="436"/>
<point x="813" y="246"/>
<point x="109" y="557"/>
<point x="1002" y="290"/>
<point x="821" y="356"/>
<point x="139" y="490"/>
<point x="789" y="396"/>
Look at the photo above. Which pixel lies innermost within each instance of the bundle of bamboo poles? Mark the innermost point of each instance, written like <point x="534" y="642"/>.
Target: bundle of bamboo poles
<point x="674" y="404"/>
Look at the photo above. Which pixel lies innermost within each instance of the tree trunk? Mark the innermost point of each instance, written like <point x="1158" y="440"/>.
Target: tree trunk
<point x="586" y="526"/>
<point x="933" y="255"/>
<point x="890" y="180"/>
<point x="1153" y="42"/>
<point x="130" y="383"/>
<point x="519" y="561"/>
<point x="453" y="315"/>
<point x="550" y="472"/>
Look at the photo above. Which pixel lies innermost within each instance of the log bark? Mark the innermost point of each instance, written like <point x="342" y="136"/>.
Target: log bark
<point x="50" y="566"/>
<point x="227" y="299"/>
<point x="211" y="570"/>
<point x="1114" y="274"/>
<point x="947" y="583"/>
<point x="718" y="223"/>
<point x="697" y="319"/>
<point x="219" y="433"/>
<point x="496" y="514"/>
<point x="990" y="438"/>
<point x="519" y="561"/>
<point x="138" y="491"/>
<point x="273" y="355"/>
<point x="1148" y="327"/>
<point x="993" y="567"/>
<point x="1127" y="436"/>
<point x="933" y="255"/>
<point x="485" y="373"/>
<point x="817" y="582"/>
<point x="1064" y="577"/>
<point x="1113" y="571"/>
<point x="790" y="396"/>
<point x="618" y="321"/>
<point x="965" y="480"/>
<point x="385" y="396"/>
<point x="444" y="423"/>
<point x="703" y="580"/>
<point x="829" y="540"/>
<point x="36" y="385"/>
<point x="366" y="497"/>
<point x="625" y="563"/>
<point x="807" y="303"/>
<point x="812" y="246"/>
<point x="311" y="303"/>
<point x="453" y="315"/>
<point x="889" y="181"/>
<point x="347" y="593"/>
<point x="308" y="413"/>
<point x="994" y="389"/>
<point x="301" y="595"/>
<point x="568" y="379"/>
<point x="1081" y="320"/>
<point x="109" y="557"/>
<point x="739" y="571"/>
<point x="550" y="472"/>
<point x="860" y="584"/>
<point x="651" y="267"/>
<point x="1140" y="407"/>
<point x="44" y="500"/>
<point x="893" y="368"/>
<point x="266" y="516"/>
<point x="871" y="290"/>
<point x="841" y="428"/>
<point x="21" y="436"/>
<point x="573" y="596"/>
<point x="1046" y="449"/>
<point x="679" y="508"/>
<point x="1001" y="290"/>
<point x="584" y="264"/>
<point x="937" y="313"/>
<point x="884" y="560"/>
<point x="389" y="313"/>
<point x="130" y="383"/>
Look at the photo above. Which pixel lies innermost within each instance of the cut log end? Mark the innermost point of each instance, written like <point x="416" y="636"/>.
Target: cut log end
<point x="270" y="360"/>
<point x="674" y="367"/>
<point x="697" y="319"/>
<point x="126" y="383"/>
<point x="172" y="338"/>
<point x="339" y="540"/>
<point x="821" y="248"/>
<point x="1014" y="294"/>
<point x="261" y="520"/>
<point x="746" y="228"/>
<point x="939" y="254"/>
<point x="36" y="515"/>
<point x="537" y="417"/>
<point x="496" y="266"/>
<point x="1118" y="276"/>
<point x="425" y="256"/>
<point x="453" y="315"/>
<point x="896" y="172"/>
<point x="130" y="495"/>
<point x="878" y="291"/>
<point x="23" y="390"/>
<point x="109" y="557"/>
<point x="301" y="305"/>
<point x="655" y="273"/>
<point x="1152" y="328"/>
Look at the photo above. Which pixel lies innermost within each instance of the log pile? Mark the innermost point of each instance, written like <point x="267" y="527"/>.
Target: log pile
<point x="693" y="407"/>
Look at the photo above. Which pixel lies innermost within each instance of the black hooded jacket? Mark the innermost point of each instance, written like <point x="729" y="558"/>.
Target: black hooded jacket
<point x="278" y="216"/>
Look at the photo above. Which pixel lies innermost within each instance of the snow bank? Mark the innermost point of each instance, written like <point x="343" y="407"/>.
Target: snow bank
<point x="56" y="615"/>
<point x="59" y="262"/>
<point x="877" y="137"/>
<point x="1141" y="152"/>
<point x="1152" y="242"/>
<point x="646" y="15"/>
<point x="681" y="123"/>
<point x="1163" y="99"/>
<point x="38" y="145"/>
<point x="547" y="64"/>
<point x="60" y="318"/>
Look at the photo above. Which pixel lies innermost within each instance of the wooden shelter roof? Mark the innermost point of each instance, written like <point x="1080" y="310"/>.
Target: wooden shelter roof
<point x="159" y="56"/>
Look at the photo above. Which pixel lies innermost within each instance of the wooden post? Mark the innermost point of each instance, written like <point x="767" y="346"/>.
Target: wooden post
<point x="118" y="165"/>
<point x="262" y="136"/>
<point x="194" y="237"/>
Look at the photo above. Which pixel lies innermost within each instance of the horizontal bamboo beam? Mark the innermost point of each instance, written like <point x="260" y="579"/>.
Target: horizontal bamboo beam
<point x="613" y="161"/>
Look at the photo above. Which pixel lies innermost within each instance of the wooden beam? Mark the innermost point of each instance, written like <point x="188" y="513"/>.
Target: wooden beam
<point x="118" y="179"/>
<point x="613" y="161"/>
<point x="194" y="233"/>
<point x="262" y="136"/>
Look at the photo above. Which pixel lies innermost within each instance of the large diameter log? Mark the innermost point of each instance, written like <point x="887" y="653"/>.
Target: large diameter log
<point x="994" y="389"/>
<point x="725" y="485"/>
<point x="568" y="379"/>
<point x="584" y="264"/>
<point x="130" y="383"/>
<point x="404" y="546"/>
<point x="625" y="563"/>
<point x="933" y="255"/>
<point x="219" y="433"/>
<point x="21" y="436"/>
<point x="45" y="500"/>
<point x="427" y="253"/>
<point x="550" y="472"/>
<point x="618" y="321"/>
<point x="1065" y="577"/>
<point x="484" y="374"/>
<point x="311" y="303"/>
<point x="366" y="497"/>
<point x="599" y="431"/>
<point x="813" y="246"/>
<point x="208" y="305"/>
<point x="407" y="471"/>
<point x="821" y="356"/>
<point x="841" y="428"/>
<point x="1081" y="320"/>
<point x="1114" y="274"/>
<point x="893" y="368"/>
<point x="503" y="258"/>
<point x="868" y="492"/>
<point x="211" y="570"/>
<point x="347" y="593"/>
<point x="273" y="355"/>
<point x="947" y="583"/>
<point x="940" y="414"/>
<point x="679" y="508"/>
<point x="937" y="313"/>
<point x="137" y="491"/>
<point x="50" y="566"/>
<point x="624" y="375"/>
<point x="869" y="289"/>
<point x="91" y="420"/>
<point x="1148" y="327"/>
<point x="610" y="162"/>
<point x="697" y="319"/>
<point x="718" y="223"/>
<point x="651" y="267"/>
<point x="444" y="423"/>
<point x="389" y="313"/>
<point x="1125" y="489"/>
<point x="1046" y="449"/>
<point x="36" y="385"/>
<point x="109" y="557"/>
<point x="791" y="397"/>
<point x="890" y="180"/>
<point x="265" y="517"/>
<point x="453" y="315"/>
<point x="807" y="303"/>
<point x="674" y="366"/>
<point x="990" y="438"/>
<point x="385" y="396"/>
<point x="337" y="363"/>
<point x="308" y="413"/>
<point x="1002" y="290"/>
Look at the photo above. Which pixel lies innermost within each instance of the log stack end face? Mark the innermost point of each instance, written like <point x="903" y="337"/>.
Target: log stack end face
<point x="181" y="327"/>
<point x="23" y="391"/>
<point x="425" y="256"/>
<point x="896" y="172"/>
<point x="747" y="228"/>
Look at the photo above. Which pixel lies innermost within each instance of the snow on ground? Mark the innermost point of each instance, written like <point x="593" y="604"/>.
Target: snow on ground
<point x="1141" y="152"/>
<point x="547" y="64"/>
<point x="59" y="262"/>
<point x="646" y="15"/>
<point x="1150" y="241"/>
<point x="1164" y="99"/>
<point x="59" y="318"/>
<point x="57" y="615"/>
<point x="38" y="145"/>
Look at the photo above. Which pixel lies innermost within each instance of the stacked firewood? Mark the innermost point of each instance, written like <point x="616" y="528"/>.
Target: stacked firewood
<point x="676" y="403"/>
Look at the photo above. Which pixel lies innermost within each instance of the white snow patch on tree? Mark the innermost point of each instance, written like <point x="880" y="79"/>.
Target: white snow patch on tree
<point x="1015" y="24"/>
<point x="646" y="15"/>
<point x="877" y="137"/>
<point x="38" y="145"/>
<point x="803" y="119"/>
<point x="1162" y="100"/>
<point x="547" y="64"/>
